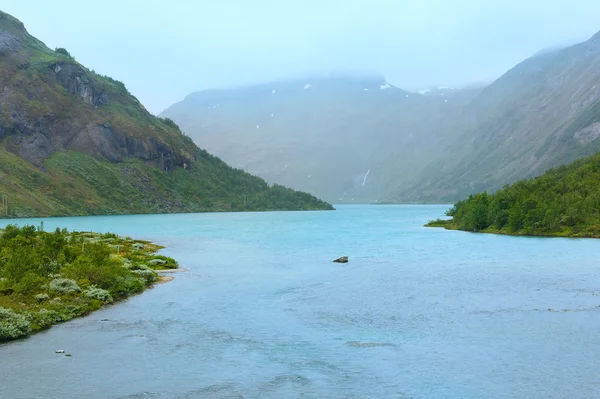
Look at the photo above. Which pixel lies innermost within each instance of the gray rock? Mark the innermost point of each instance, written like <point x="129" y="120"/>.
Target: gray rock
<point x="343" y="259"/>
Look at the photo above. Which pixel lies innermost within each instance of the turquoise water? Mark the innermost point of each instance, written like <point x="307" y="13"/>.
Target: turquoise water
<point x="263" y="313"/>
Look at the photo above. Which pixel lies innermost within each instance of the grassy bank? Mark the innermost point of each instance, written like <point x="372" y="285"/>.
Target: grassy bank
<point x="51" y="277"/>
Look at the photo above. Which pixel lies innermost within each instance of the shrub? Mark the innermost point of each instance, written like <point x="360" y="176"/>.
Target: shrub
<point x="63" y="51"/>
<point x="43" y="319"/>
<point x="126" y="286"/>
<point x="64" y="286"/>
<point x="163" y="262"/>
<point x="99" y="294"/>
<point x="147" y="275"/>
<point x="29" y="284"/>
<point x="42" y="297"/>
<point x="170" y="122"/>
<point x="13" y="325"/>
<point x="139" y="266"/>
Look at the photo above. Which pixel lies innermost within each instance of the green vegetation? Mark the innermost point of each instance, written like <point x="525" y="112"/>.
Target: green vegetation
<point x="81" y="144"/>
<point x="78" y="184"/>
<point x="63" y="51"/>
<point x="562" y="202"/>
<point x="51" y="277"/>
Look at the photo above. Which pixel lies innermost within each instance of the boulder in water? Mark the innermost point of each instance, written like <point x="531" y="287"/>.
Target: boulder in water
<point x="343" y="259"/>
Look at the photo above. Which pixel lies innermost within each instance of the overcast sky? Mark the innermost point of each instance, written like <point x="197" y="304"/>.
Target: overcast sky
<point x="163" y="50"/>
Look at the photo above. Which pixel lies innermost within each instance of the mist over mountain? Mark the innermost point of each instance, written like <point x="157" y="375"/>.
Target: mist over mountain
<point x="359" y="138"/>
<point x="341" y="136"/>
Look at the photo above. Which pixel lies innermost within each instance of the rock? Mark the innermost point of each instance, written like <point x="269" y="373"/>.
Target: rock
<point x="59" y="351"/>
<point x="343" y="259"/>
<point x="138" y="246"/>
<point x="157" y="261"/>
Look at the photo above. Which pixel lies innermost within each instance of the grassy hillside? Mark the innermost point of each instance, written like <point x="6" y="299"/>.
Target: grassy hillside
<point x="562" y="202"/>
<point x="73" y="142"/>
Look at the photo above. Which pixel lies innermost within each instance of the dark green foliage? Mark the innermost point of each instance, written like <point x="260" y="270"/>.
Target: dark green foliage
<point x="63" y="51"/>
<point x="170" y="122"/>
<point x="562" y="202"/>
<point x="49" y="277"/>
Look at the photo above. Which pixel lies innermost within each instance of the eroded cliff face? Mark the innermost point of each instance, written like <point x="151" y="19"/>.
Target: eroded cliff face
<point x="78" y="81"/>
<point x="50" y="103"/>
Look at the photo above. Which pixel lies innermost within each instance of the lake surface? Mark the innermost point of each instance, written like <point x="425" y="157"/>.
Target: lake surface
<point x="263" y="313"/>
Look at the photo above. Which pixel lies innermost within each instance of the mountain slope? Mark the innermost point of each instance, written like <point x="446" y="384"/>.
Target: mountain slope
<point x="75" y="142"/>
<point x="562" y="202"/>
<point x="540" y="114"/>
<point x="341" y="137"/>
<point x="358" y="137"/>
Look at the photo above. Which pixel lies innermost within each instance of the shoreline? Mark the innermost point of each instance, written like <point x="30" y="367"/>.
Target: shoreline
<point x="448" y="225"/>
<point x="162" y="279"/>
<point x="75" y="288"/>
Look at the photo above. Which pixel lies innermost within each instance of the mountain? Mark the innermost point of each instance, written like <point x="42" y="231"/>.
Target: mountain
<point x="341" y="137"/>
<point x="73" y="142"/>
<point x="542" y="113"/>
<point x="358" y="137"/>
<point x="562" y="202"/>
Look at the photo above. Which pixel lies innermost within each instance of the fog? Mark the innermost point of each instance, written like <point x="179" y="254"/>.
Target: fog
<point x="163" y="50"/>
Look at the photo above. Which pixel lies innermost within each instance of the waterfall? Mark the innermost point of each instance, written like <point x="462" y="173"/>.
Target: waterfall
<point x="365" y="178"/>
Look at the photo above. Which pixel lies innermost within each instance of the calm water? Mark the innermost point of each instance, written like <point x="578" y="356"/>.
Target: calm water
<point x="263" y="313"/>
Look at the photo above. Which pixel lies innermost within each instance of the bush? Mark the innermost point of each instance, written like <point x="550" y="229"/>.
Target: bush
<point x="139" y="266"/>
<point x="147" y="275"/>
<point x="170" y="122"/>
<point x="42" y="297"/>
<point x="99" y="294"/>
<point x="29" y="284"/>
<point x="163" y="262"/>
<point x="13" y="325"/>
<point x="63" y="51"/>
<point x="64" y="286"/>
<point x="127" y="286"/>
<point x="43" y="319"/>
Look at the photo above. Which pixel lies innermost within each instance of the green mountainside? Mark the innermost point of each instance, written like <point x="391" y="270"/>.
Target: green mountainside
<point x="541" y="114"/>
<point x="73" y="142"/>
<point x="564" y="201"/>
<point x="359" y="137"/>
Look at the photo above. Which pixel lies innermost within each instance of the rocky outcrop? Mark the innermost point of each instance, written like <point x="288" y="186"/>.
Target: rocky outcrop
<point x="8" y="41"/>
<point x="79" y="82"/>
<point x="343" y="259"/>
<point x="588" y="134"/>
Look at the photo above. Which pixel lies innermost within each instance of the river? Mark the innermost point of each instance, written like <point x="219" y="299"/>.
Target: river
<point x="262" y="312"/>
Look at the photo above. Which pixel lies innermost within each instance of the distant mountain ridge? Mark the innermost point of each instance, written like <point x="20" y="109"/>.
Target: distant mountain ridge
<point x="326" y="135"/>
<point x="73" y="142"/>
<point x="365" y="139"/>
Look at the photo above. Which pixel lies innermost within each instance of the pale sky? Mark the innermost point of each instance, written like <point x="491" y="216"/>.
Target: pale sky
<point x="164" y="50"/>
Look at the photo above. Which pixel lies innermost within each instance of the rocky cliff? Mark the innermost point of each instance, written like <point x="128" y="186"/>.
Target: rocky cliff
<point x="67" y="132"/>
